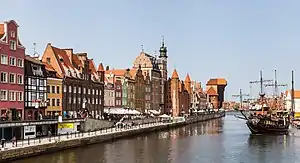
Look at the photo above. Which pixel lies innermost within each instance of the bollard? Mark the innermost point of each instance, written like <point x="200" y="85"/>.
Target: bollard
<point x="67" y="135"/>
<point x="16" y="143"/>
<point x="75" y="134"/>
<point x="58" y="137"/>
<point x="82" y="134"/>
<point x="49" y="138"/>
<point x="40" y="140"/>
<point x="28" y="142"/>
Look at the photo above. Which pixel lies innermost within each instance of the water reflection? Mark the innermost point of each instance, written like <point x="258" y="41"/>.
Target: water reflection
<point x="226" y="140"/>
<point x="176" y="145"/>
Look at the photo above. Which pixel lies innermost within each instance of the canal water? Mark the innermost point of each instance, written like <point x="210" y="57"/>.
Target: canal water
<point x="225" y="140"/>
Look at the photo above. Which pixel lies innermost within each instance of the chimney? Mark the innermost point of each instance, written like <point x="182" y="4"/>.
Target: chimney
<point x="107" y="68"/>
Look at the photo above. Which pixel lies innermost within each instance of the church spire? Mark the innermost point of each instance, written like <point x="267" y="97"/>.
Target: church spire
<point x="163" y="50"/>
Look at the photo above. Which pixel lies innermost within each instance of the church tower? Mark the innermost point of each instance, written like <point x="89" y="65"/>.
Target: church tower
<point x="163" y="66"/>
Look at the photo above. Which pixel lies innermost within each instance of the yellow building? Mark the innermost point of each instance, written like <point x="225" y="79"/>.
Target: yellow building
<point x="54" y="92"/>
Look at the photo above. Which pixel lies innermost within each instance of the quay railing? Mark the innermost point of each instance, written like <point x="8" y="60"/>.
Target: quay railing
<point x="76" y="135"/>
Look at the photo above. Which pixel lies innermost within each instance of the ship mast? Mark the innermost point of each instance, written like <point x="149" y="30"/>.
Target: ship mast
<point x="261" y="81"/>
<point x="275" y="85"/>
<point x="241" y="95"/>
<point x="292" y="93"/>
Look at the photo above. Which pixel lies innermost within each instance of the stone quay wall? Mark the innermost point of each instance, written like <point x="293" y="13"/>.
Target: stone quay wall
<point x="19" y="153"/>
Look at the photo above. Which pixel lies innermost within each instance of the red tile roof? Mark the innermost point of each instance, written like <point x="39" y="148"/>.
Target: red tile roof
<point x="217" y="81"/>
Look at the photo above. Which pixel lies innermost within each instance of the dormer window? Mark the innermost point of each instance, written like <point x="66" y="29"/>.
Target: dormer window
<point x="13" y="34"/>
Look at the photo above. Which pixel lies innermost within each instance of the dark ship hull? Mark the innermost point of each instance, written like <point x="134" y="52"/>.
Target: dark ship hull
<point x="262" y="129"/>
<point x="259" y="125"/>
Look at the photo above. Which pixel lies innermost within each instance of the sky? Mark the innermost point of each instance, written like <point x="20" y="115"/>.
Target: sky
<point x="230" y="39"/>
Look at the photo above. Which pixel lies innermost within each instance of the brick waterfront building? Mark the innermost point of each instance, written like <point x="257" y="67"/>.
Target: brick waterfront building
<point x="83" y="84"/>
<point x="157" y="68"/>
<point x="177" y="97"/>
<point x="12" y="72"/>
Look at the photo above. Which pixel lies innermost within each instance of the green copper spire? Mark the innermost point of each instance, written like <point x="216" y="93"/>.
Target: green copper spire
<point x="163" y="50"/>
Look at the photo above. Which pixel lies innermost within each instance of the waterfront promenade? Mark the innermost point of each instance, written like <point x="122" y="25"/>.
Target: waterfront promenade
<point x="78" y="135"/>
<point x="32" y="147"/>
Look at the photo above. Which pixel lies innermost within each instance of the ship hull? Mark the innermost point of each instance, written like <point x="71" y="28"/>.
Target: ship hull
<point x="261" y="129"/>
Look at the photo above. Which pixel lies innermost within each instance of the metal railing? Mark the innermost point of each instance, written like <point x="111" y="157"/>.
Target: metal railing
<point x="76" y="135"/>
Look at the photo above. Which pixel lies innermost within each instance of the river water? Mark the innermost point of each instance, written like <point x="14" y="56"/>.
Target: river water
<point x="225" y="140"/>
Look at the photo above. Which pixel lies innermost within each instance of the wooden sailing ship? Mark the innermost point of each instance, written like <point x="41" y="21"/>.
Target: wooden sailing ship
<point x="270" y="118"/>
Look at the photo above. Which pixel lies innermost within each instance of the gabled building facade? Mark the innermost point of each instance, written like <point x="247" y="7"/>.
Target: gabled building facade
<point x="12" y="55"/>
<point x="83" y="85"/>
<point x="178" y="98"/>
<point x="156" y="67"/>
<point x="109" y="91"/>
<point x="139" y="91"/>
<point x="35" y="89"/>
<point x="54" y="92"/>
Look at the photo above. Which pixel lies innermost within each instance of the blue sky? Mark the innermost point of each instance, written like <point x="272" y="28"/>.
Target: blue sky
<point x="233" y="39"/>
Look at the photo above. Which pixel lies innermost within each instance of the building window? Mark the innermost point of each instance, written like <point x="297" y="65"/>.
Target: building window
<point x="58" y="89"/>
<point x="79" y="89"/>
<point x="84" y="91"/>
<point x="65" y="88"/>
<point x="20" y="62"/>
<point x="89" y="91"/>
<point x="12" y="45"/>
<point x="48" y="101"/>
<point x="93" y="91"/>
<point x="53" y="89"/>
<point x="3" y="77"/>
<point x="74" y="100"/>
<point x="48" y="88"/>
<point x="53" y="102"/>
<point x="97" y="92"/>
<point x="20" y="96"/>
<point x="12" y="78"/>
<point x="96" y="100"/>
<point x="79" y="100"/>
<point x="42" y="82"/>
<point x="100" y="93"/>
<point x="57" y="102"/>
<point x="3" y="95"/>
<point x="70" y="89"/>
<point x="70" y="100"/>
<point x="48" y="60"/>
<point x="12" y="96"/>
<point x="74" y="89"/>
<point x="4" y="59"/>
<point x="118" y="87"/>
<point x="12" y="34"/>
<point x="12" y="61"/>
<point x="20" y="79"/>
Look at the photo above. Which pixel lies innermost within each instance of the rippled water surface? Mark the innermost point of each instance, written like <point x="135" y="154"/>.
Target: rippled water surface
<point x="224" y="140"/>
